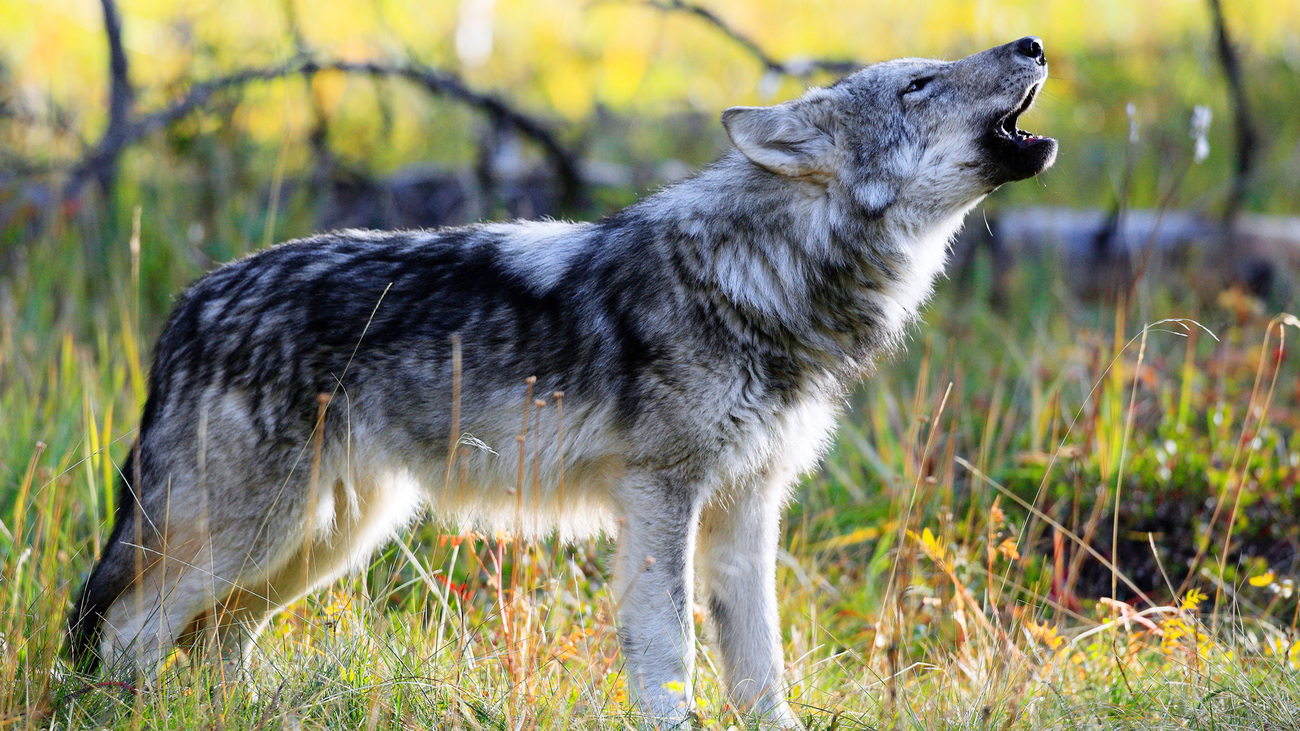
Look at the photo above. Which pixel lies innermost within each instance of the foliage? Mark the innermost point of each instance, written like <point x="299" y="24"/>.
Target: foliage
<point x="654" y="72"/>
<point x="917" y="590"/>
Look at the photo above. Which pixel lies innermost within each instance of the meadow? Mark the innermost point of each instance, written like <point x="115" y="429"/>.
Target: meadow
<point x="1050" y="511"/>
<point x="958" y="563"/>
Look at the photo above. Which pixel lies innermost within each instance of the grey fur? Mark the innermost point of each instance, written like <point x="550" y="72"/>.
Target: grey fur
<point x="704" y="338"/>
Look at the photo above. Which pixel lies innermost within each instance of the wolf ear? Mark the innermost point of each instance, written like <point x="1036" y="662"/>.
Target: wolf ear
<point x="786" y="139"/>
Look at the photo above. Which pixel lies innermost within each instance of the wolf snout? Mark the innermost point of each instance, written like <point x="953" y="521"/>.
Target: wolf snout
<point x="1031" y="47"/>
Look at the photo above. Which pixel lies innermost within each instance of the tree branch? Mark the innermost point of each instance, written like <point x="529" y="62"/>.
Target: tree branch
<point x="1247" y="137"/>
<point x="101" y="162"/>
<point x="121" y="93"/>
<point x="434" y="81"/>
<point x="802" y="68"/>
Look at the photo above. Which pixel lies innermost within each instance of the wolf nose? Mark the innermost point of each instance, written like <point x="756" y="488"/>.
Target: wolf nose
<point x="1032" y="47"/>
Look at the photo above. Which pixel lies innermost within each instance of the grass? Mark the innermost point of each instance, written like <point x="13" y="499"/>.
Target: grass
<point x="957" y="563"/>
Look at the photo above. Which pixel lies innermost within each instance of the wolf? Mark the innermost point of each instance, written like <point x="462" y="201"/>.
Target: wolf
<point x="306" y="401"/>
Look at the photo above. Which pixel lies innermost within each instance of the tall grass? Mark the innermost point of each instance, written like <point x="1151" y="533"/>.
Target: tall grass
<point x="1052" y="515"/>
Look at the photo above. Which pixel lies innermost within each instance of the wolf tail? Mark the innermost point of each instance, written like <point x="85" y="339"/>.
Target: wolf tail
<point x="112" y="575"/>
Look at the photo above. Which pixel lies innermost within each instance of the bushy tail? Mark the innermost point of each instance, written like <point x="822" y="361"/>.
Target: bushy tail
<point x="111" y="577"/>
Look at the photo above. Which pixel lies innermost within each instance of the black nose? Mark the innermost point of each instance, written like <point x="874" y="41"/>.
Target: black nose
<point x="1032" y="47"/>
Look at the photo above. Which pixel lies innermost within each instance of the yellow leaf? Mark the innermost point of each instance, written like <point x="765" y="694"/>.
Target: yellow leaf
<point x="1045" y="633"/>
<point x="568" y="85"/>
<point x="1262" y="580"/>
<point x="931" y="545"/>
<point x="1193" y="599"/>
<point x="622" y="72"/>
<point x="860" y="535"/>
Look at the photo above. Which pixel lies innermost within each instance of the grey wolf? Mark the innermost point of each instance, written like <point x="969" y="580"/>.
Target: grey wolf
<point x="704" y="339"/>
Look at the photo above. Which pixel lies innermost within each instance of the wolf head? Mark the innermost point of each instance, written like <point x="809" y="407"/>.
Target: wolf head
<point x="936" y="135"/>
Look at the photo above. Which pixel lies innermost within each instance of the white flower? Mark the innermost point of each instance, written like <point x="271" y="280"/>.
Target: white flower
<point x="1201" y="116"/>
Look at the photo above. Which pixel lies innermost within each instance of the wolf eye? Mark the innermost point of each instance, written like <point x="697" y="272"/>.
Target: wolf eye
<point x="918" y="84"/>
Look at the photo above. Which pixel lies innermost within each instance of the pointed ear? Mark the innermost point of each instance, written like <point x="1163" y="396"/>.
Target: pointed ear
<point x="793" y="138"/>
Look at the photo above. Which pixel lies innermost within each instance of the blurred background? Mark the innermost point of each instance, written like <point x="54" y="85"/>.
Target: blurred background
<point x="401" y="113"/>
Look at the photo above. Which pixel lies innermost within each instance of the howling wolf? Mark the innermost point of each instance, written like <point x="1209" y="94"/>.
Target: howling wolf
<point x="301" y="406"/>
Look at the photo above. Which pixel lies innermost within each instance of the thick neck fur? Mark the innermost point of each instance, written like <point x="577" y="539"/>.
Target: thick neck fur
<point x="798" y="265"/>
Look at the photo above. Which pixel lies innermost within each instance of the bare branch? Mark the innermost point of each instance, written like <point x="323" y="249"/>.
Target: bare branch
<point x="101" y="162"/>
<point x="1247" y="137"/>
<point x="802" y="68"/>
<point x="444" y="83"/>
<point x="434" y="81"/>
<point x="121" y="93"/>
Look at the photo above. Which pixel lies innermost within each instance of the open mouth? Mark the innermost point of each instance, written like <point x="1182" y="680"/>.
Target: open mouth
<point x="1006" y="127"/>
<point x="1013" y="153"/>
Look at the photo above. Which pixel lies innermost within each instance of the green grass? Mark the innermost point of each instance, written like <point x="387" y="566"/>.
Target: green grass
<point x="934" y="574"/>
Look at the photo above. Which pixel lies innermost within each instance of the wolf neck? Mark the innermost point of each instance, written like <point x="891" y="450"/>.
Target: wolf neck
<point x="799" y="266"/>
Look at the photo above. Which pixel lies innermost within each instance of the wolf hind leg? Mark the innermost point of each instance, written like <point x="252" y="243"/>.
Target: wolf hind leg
<point x="143" y="624"/>
<point x="203" y="550"/>
<point x="112" y="575"/>
<point x="232" y="629"/>
<point x="183" y="596"/>
<point x="357" y="530"/>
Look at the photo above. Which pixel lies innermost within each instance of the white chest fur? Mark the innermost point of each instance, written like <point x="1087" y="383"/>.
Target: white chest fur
<point x="924" y="254"/>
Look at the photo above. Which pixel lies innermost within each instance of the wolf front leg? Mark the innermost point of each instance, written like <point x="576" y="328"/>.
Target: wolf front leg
<point x="738" y="543"/>
<point x="653" y="587"/>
